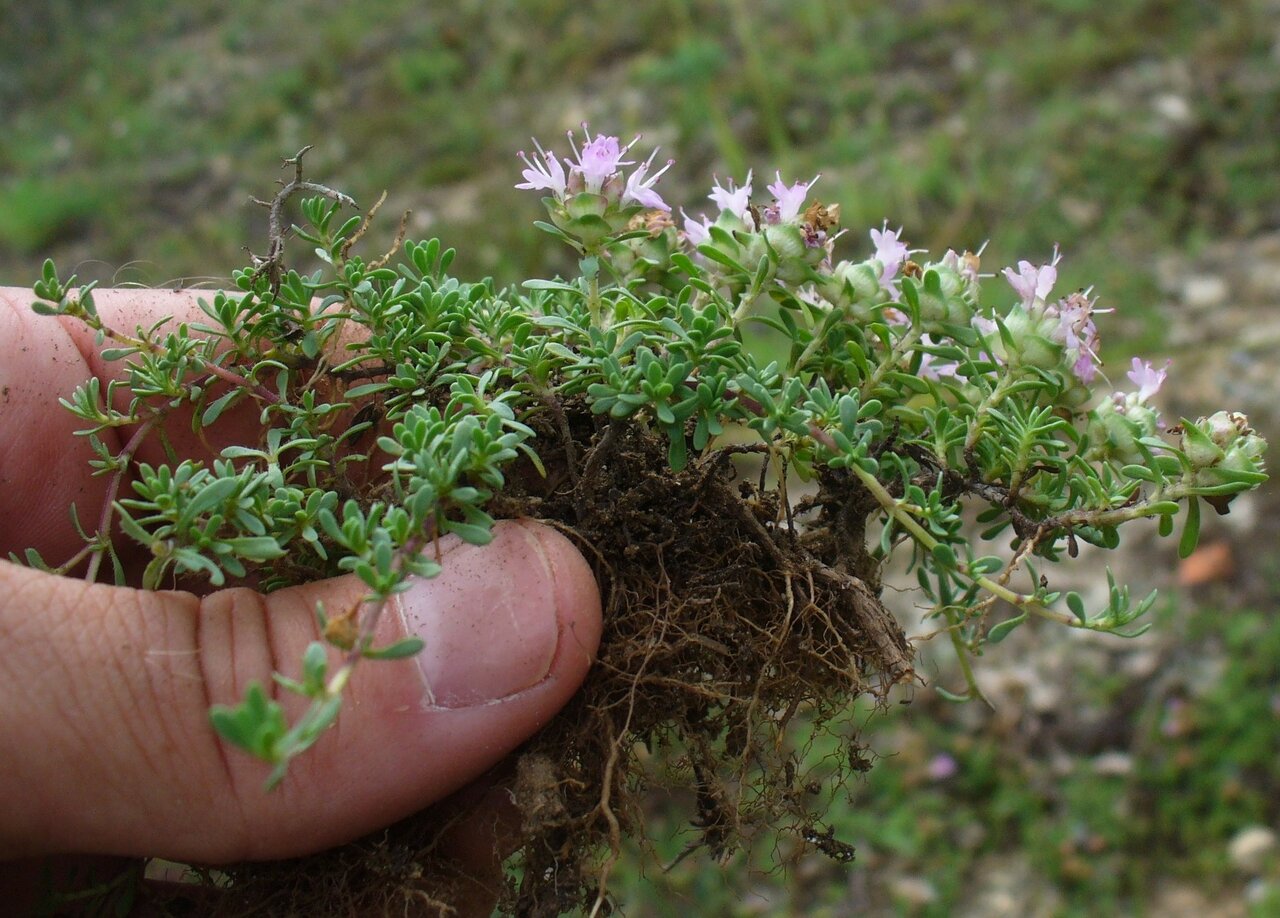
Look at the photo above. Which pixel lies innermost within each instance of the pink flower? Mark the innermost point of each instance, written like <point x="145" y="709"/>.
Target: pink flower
<point x="788" y="200"/>
<point x="696" y="231"/>
<point x="991" y="333"/>
<point x="599" y="160"/>
<point x="965" y="265"/>
<point x="1147" y="378"/>
<point x="595" y="169"/>
<point x="641" y="190"/>
<point x="930" y="367"/>
<point x="891" y="251"/>
<point x="547" y="174"/>
<point x="1034" y="283"/>
<point x="736" y="201"/>
<point x="1076" y="329"/>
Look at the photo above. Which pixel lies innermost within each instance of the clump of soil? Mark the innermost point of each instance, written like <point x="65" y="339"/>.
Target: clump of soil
<point x="727" y="614"/>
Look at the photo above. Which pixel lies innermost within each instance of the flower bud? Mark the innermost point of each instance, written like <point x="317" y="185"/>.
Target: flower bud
<point x="1225" y="427"/>
<point x="1117" y="424"/>
<point x="1206" y="441"/>
<point x="786" y="240"/>
<point x="854" y="287"/>
<point x="1033" y="345"/>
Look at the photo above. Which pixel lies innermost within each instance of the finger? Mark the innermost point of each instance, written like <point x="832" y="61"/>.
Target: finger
<point x="106" y="732"/>
<point x="44" y="466"/>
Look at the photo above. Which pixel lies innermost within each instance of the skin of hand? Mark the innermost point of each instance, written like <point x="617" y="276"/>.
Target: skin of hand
<point x="104" y="731"/>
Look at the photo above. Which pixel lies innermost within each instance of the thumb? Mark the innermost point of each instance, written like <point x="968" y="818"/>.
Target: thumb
<point x="105" y="729"/>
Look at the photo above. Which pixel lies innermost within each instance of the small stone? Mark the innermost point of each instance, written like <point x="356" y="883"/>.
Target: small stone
<point x="1251" y="848"/>
<point x="1258" y="892"/>
<point x="913" y="892"/>
<point x="1173" y="108"/>
<point x="1204" y="291"/>
<point x="1113" y="764"/>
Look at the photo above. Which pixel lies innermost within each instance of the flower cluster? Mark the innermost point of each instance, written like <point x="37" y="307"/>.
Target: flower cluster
<point x="593" y="198"/>
<point x="786" y="246"/>
<point x="1119" y="423"/>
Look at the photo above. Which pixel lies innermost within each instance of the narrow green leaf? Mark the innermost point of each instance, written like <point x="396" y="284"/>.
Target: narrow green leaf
<point x="1190" y="530"/>
<point x="944" y="556"/>
<point x="214" y="411"/>
<point x="1001" y="631"/>
<point x="367" y="389"/>
<point x="406" y="647"/>
<point x="714" y="254"/>
<point x="1140" y="472"/>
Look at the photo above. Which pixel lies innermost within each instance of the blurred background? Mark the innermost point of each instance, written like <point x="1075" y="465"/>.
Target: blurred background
<point x="1143" y="136"/>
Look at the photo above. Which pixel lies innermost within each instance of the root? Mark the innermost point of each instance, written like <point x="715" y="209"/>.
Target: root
<point x="723" y="628"/>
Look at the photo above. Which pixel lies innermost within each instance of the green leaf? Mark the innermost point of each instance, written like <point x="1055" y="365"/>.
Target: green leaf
<point x="944" y="556"/>
<point x="469" y="532"/>
<point x="1140" y="472"/>
<point x="910" y="294"/>
<point x="1076" y="604"/>
<point x="256" y="725"/>
<point x="560" y="286"/>
<point x="214" y="411"/>
<point x="1005" y="628"/>
<point x="256" y="548"/>
<point x="117" y="353"/>
<point x="367" y="389"/>
<point x="714" y="254"/>
<point x="1190" y="530"/>
<point x="762" y="273"/>
<point x="315" y="665"/>
<point x="677" y="452"/>
<point x="988" y="564"/>
<point x="406" y="647"/>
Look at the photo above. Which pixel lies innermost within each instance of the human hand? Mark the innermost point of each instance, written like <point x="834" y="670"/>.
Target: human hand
<point x="105" y="732"/>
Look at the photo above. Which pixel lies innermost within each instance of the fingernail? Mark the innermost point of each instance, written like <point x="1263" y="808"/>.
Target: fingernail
<point x="489" y="620"/>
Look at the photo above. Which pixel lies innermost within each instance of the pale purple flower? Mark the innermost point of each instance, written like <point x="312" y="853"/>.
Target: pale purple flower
<point x="696" y="231"/>
<point x="1076" y="329"/>
<point x="809" y="294"/>
<point x="640" y="189"/>
<point x="736" y="201"/>
<point x="930" y="367"/>
<point x="1147" y="378"/>
<point x="989" y="331"/>
<point x="1033" y="283"/>
<point x="599" y="159"/>
<point x="965" y="265"/>
<point x="942" y="766"/>
<point x="788" y="200"/>
<point x="891" y="251"/>
<point x="544" y="172"/>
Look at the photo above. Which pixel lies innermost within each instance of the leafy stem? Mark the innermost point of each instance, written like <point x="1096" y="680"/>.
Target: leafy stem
<point x="102" y="539"/>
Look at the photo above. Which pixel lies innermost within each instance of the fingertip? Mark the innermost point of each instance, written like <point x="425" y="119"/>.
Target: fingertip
<point x="578" y="601"/>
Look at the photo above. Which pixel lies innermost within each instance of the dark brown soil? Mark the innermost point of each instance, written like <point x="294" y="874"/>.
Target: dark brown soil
<point x="725" y="618"/>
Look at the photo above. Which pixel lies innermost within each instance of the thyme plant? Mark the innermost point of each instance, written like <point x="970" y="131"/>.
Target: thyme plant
<point x="399" y="404"/>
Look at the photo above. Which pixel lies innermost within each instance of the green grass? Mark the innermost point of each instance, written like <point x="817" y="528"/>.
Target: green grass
<point x="140" y="130"/>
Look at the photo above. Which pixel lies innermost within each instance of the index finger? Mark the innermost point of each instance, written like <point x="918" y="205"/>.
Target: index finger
<point x="44" y="466"/>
